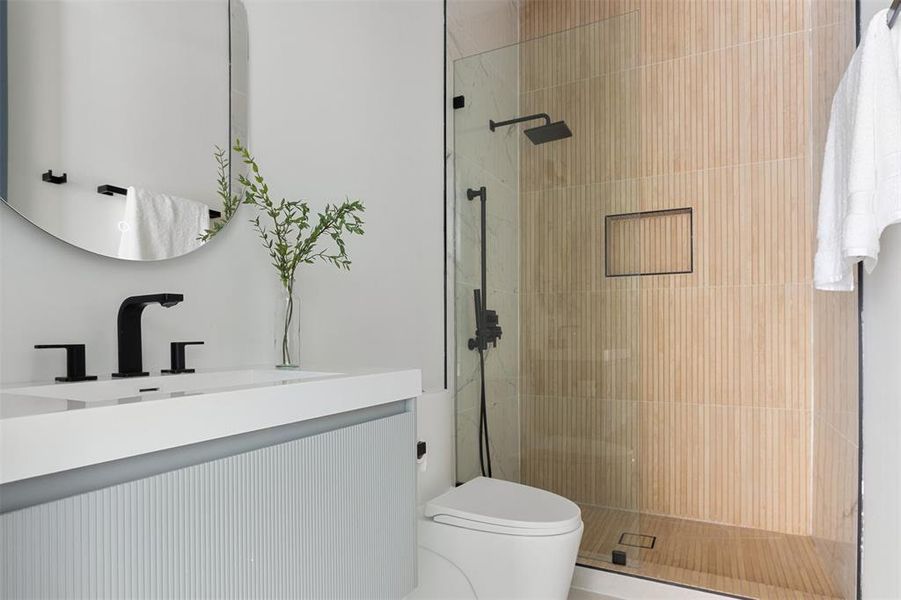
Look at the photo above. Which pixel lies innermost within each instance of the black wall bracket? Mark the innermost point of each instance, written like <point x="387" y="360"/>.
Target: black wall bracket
<point x="108" y="189"/>
<point x="49" y="177"/>
<point x="459" y="102"/>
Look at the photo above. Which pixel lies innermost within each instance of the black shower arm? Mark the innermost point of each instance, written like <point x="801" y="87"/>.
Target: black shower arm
<point x="547" y="121"/>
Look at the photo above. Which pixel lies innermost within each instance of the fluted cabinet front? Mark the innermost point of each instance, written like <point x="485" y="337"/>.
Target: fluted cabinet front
<point x="326" y="516"/>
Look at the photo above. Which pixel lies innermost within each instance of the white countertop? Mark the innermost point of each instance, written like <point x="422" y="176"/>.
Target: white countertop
<point x="51" y="428"/>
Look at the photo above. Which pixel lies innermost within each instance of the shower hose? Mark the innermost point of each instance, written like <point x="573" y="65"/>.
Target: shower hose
<point x="484" y="447"/>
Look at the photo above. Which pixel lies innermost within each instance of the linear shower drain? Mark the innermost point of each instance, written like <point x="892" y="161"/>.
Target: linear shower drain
<point x="638" y="540"/>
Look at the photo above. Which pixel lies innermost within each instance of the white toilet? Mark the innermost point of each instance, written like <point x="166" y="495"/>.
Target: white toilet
<point x="505" y="539"/>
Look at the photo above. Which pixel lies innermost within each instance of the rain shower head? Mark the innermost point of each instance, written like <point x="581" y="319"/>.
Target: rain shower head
<point x="549" y="132"/>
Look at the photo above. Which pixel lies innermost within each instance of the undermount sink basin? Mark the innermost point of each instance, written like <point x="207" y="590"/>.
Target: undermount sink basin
<point x="163" y="385"/>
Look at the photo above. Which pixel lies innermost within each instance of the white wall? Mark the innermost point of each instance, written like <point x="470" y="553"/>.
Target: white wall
<point x="881" y="577"/>
<point x="358" y="84"/>
<point x="346" y="98"/>
<point x="435" y="425"/>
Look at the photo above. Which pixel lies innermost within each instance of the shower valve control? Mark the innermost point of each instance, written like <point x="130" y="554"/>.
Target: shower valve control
<point x="493" y="331"/>
<point x="489" y="332"/>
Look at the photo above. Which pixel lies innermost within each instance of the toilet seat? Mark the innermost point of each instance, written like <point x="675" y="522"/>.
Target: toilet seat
<point x="508" y="540"/>
<point x="497" y="506"/>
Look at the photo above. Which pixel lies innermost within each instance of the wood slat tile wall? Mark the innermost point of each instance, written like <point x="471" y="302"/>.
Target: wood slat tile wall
<point x="683" y="395"/>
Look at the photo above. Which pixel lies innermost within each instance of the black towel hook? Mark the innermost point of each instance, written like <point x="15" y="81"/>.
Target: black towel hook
<point x="893" y="11"/>
<point x="49" y="177"/>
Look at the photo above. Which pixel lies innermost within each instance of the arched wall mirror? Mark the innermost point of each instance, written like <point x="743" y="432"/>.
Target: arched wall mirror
<point x="111" y="112"/>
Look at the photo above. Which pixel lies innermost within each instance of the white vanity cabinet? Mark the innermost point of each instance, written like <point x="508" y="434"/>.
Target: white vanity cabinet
<point x="316" y="508"/>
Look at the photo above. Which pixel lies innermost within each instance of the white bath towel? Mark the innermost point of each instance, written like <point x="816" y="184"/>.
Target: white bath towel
<point x="157" y="226"/>
<point x="861" y="184"/>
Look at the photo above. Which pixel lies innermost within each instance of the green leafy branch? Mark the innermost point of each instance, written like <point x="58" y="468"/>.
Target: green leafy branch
<point x="289" y="234"/>
<point x="230" y="202"/>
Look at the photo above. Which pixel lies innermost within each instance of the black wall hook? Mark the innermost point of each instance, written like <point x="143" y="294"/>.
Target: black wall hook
<point x="49" y="177"/>
<point x="107" y="189"/>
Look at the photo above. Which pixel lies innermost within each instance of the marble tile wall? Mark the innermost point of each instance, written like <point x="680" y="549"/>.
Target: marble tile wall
<point x="476" y="26"/>
<point x="484" y="68"/>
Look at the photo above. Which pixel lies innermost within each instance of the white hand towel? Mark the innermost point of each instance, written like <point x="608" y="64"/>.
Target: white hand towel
<point x="861" y="186"/>
<point x="157" y="226"/>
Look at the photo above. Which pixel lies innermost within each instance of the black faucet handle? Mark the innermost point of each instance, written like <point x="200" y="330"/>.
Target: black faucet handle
<point x="177" y="357"/>
<point x="75" y="363"/>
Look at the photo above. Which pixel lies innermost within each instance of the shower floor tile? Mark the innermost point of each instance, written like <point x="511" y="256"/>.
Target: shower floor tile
<point x="746" y="562"/>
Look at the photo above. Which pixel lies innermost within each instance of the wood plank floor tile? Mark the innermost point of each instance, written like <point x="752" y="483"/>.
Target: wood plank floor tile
<point x="735" y="560"/>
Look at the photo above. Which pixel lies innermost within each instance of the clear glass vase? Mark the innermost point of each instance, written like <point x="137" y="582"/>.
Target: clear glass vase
<point x="287" y="329"/>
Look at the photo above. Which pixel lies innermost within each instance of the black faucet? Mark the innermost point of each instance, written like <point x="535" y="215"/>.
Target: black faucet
<point x="129" y="328"/>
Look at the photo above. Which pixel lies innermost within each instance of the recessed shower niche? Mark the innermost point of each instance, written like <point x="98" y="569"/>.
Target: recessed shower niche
<point x="655" y="242"/>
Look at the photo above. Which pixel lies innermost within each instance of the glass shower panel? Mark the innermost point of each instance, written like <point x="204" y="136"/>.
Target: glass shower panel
<point x="489" y="86"/>
<point x="562" y="382"/>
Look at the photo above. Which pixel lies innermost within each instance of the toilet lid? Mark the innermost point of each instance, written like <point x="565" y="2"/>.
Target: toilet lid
<point x="505" y="507"/>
